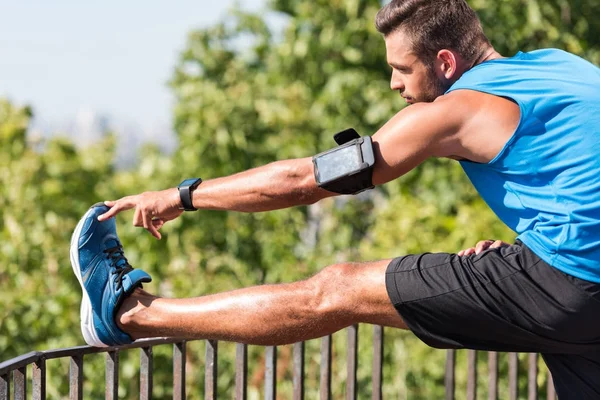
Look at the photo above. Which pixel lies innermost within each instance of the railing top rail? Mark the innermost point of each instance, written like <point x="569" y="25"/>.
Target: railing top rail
<point x="34" y="356"/>
<point x="13" y="373"/>
<point x="19" y="362"/>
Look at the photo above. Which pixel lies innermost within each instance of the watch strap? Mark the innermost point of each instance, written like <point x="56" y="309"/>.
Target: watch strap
<point x="186" y="188"/>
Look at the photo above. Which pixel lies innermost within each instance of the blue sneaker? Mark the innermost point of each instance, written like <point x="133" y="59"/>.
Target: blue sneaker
<point x="105" y="276"/>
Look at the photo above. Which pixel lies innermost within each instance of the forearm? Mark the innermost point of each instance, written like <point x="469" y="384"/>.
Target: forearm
<point x="273" y="186"/>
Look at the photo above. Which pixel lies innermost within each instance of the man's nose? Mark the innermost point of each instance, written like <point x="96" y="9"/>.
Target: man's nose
<point x="395" y="82"/>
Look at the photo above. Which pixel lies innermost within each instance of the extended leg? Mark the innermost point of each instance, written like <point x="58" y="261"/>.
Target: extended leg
<point x="338" y="296"/>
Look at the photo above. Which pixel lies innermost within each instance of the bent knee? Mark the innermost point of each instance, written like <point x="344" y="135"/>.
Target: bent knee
<point x="349" y="288"/>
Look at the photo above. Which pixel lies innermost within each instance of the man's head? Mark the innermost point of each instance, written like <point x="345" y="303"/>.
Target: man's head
<point x="429" y="43"/>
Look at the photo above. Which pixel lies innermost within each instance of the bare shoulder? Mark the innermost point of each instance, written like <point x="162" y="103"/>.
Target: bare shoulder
<point x="433" y="129"/>
<point x="414" y="134"/>
<point x="464" y="124"/>
<point x="485" y="123"/>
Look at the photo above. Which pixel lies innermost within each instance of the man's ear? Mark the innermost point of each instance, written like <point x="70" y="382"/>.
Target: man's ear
<point x="446" y="64"/>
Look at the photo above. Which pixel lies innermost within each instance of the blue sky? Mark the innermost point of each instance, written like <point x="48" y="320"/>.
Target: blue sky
<point x="110" y="57"/>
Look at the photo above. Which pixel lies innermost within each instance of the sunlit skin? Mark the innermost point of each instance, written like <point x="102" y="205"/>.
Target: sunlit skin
<point x="461" y="125"/>
<point x="411" y="77"/>
<point x="425" y="80"/>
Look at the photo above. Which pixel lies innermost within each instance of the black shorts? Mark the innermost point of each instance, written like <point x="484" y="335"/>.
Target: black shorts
<point x="505" y="299"/>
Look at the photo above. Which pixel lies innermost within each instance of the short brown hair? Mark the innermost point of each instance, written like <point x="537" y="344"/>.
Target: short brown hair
<point x="434" y="25"/>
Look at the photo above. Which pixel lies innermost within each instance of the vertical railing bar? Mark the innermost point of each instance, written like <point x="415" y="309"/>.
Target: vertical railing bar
<point x="241" y="371"/>
<point x="5" y="386"/>
<point x="270" y="372"/>
<point x="112" y="375"/>
<point x="298" y="374"/>
<point x="532" y="371"/>
<point x="146" y="374"/>
<point x="210" y="372"/>
<point x="76" y="378"/>
<point x="39" y="380"/>
<point x="179" y="355"/>
<point x="513" y="376"/>
<point x="352" y="362"/>
<point x="449" y="379"/>
<point x="20" y="383"/>
<point x="325" y="375"/>
<point x="471" y="374"/>
<point x="377" y="376"/>
<point x="493" y="375"/>
<point x="550" y="390"/>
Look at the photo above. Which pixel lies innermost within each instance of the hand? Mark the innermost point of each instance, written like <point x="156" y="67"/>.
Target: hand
<point x="152" y="209"/>
<point x="483" y="245"/>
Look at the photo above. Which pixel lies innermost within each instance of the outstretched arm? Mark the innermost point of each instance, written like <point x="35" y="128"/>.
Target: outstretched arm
<point x="410" y="137"/>
<point x="277" y="185"/>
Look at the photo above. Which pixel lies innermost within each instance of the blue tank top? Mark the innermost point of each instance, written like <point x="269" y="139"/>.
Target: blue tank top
<point x="545" y="182"/>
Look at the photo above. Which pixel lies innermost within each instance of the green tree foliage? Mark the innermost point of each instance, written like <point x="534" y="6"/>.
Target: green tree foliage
<point x="249" y="94"/>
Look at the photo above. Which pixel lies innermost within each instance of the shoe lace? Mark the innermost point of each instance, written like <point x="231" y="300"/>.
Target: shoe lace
<point x="119" y="264"/>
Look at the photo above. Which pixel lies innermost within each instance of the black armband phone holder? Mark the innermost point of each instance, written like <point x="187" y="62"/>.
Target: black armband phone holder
<point x="348" y="168"/>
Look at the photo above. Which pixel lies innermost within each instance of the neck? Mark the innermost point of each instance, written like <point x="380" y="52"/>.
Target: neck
<point x="486" y="54"/>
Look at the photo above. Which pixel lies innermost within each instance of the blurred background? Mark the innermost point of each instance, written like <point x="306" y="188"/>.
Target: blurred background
<point x="86" y="69"/>
<point x="98" y="101"/>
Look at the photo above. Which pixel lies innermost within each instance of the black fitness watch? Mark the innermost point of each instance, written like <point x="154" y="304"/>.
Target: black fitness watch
<point x="186" y="188"/>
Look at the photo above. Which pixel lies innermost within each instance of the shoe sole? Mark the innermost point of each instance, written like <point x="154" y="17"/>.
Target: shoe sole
<point x="86" y="314"/>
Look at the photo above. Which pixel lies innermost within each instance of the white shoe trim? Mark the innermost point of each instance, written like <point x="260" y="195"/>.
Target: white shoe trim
<point x="86" y="314"/>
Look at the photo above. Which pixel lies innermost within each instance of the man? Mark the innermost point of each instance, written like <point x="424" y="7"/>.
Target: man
<point x="526" y="131"/>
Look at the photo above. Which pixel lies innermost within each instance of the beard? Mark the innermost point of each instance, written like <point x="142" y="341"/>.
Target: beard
<point x="433" y="88"/>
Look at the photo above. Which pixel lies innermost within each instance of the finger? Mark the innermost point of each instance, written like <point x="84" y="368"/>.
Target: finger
<point x="482" y="245"/>
<point x="469" y="251"/>
<point x="116" y="207"/>
<point x="158" y="223"/>
<point x="137" y="218"/>
<point x="462" y="252"/>
<point x="147" y="220"/>
<point x="498" y="243"/>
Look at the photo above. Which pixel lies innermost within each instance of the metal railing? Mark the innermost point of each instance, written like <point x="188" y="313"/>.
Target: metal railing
<point x="15" y="370"/>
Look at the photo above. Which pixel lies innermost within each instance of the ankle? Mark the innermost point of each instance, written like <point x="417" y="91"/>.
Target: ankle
<point x="133" y="312"/>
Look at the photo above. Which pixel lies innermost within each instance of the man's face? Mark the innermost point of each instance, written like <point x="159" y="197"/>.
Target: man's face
<point x="415" y="81"/>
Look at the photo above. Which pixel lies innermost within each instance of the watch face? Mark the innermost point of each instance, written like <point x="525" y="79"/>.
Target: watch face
<point x="189" y="182"/>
